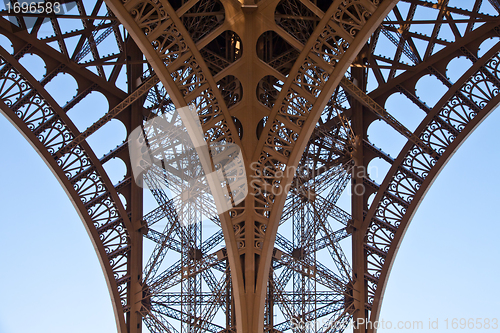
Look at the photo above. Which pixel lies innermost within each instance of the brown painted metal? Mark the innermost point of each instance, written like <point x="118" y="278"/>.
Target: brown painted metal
<point x="269" y="76"/>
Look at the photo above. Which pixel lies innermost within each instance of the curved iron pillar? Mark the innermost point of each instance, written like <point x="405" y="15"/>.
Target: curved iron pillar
<point x="152" y="23"/>
<point x="467" y="102"/>
<point x="114" y="225"/>
<point x="25" y="102"/>
<point x="250" y="229"/>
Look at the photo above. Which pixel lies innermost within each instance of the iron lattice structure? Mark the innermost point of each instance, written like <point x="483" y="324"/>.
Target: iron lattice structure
<point x="296" y="85"/>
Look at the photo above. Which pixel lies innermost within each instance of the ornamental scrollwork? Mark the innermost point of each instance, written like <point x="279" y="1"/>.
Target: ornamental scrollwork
<point x="148" y="15"/>
<point x="102" y="214"/>
<point x="375" y="263"/>
<point x="331" y="46"/>
<point x="380" y="236"/>
<point x="371" y="285"/>
<point x="311" y="77"/>
<point x="34" y="112"/>
<point x="391" y="210"/>
<point x="419" y="162"/>
<point x="49" y="127"/>
<point x="493" y="66"/>
<point x="74" y="162"/>
<point x="169" y="45"/>
<point x="480" y="89"/>
<point x="452" y="118"/>
<point x="260" y="233"/>
<point x="218" y="133"/>
<point x="352" y="16"/>
<point x="56" y="136"/>
<point x="457" y="114"/>
<point x="403" y="186"/>
<point x="295" y="108"/>
<point x="89" y="187"/>
<point x="437" y="137"/>
<point x="14" y="86"/>
<point x="189" y="76"/>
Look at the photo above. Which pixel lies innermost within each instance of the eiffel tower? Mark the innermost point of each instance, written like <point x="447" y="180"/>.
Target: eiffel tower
<point x="292" y="87"/>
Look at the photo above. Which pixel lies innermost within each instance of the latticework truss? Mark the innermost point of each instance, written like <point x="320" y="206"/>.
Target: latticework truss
<point x="296" y="85"/>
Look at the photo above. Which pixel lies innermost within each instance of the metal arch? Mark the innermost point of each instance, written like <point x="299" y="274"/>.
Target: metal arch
<point x="309" y="85"/>
<point x="151" y="26"/>
<point x="152" y="33"/>
<point x="315" y="95"/>
<point x="30" y="108"/>
<point x="126" y="223"/>
<point x="172" y="53"/>
<point x="470" y="99"/>
<point x="301" y="122"/>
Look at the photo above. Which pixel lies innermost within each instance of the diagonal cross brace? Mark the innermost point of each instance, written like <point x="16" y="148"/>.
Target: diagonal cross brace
<point x="382" y="113"/>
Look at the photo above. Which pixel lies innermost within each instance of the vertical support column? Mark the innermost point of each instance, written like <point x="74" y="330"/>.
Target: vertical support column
<point x="135" y="206"/>
<point x="270" y="300"/>
<point x="358" y="202"/>
<point x="249" y="262"/>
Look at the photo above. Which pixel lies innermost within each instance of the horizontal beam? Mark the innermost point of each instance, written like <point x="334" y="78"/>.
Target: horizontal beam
<point x="143" y="88"/>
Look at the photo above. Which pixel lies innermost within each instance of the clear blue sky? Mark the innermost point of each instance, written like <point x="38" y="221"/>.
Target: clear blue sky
<point x="447" y="266"/>
<point x="448" y="263"/>
<point x="50" y="280"/>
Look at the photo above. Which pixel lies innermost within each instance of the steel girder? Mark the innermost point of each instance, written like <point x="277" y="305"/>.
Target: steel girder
<point x="201" y="51"/>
